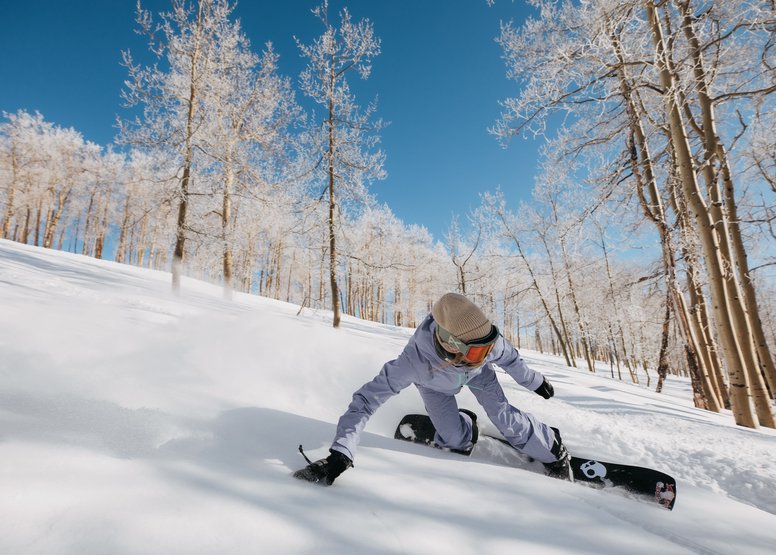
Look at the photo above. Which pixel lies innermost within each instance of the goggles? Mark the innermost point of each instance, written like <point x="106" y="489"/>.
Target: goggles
<point x="473" y="352"/>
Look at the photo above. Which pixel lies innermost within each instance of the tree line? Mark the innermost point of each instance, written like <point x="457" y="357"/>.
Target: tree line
<point x="675" y="99"/>
<point x="633" y="255"/>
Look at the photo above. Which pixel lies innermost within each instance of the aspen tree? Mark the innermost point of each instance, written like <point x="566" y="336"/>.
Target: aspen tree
<point x="348" y="136"/>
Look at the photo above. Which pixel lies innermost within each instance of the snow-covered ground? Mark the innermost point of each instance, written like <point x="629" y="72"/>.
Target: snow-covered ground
<point x="133" y="421"/>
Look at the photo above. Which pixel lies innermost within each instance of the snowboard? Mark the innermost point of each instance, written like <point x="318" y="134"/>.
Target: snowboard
<point x="644" y="483"/>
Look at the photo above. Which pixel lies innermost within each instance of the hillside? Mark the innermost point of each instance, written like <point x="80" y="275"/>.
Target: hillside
<point x="133" y="421"/>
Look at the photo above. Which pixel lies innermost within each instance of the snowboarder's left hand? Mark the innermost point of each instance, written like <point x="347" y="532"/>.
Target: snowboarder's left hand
<point x="545" y="390"/>
<point x="325" y="471"/>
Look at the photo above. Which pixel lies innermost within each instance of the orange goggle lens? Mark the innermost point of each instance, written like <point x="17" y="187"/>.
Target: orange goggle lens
<point x="473" y="353"/>
<point x="476" y="354"/>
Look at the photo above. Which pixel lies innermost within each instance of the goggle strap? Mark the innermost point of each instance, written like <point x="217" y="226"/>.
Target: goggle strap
<point x="463" y="346"/>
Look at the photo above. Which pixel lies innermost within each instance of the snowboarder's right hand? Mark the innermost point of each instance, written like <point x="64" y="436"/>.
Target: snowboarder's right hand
<point x="325" y="471"/>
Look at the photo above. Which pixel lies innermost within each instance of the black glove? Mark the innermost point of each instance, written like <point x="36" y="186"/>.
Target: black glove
<point x="545" y="390"/>
<point x="325" y="471"/>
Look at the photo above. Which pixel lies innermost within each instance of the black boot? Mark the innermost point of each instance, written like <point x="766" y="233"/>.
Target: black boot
<point x="561" y="468"/>
<point x="475" y="430"/>
<point x="475" y="433"/>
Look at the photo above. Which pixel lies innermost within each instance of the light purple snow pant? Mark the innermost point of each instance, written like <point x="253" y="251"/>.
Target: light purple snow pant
<point x="454" y="429"/>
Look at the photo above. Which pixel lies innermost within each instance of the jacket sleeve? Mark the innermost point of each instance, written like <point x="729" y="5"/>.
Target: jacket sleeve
<point x="393" y="377"/>
<point x="513" y="364"/>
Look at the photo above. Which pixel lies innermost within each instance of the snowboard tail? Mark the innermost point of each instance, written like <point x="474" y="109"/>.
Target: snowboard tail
<point x="645" y="483"/>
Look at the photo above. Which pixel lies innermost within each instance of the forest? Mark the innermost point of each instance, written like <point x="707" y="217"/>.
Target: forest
<point x="648" y="247"/>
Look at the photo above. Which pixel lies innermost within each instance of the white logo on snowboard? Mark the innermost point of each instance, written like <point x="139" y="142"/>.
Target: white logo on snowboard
<point x="593" y="469"/>
<point x="406" y="431"/>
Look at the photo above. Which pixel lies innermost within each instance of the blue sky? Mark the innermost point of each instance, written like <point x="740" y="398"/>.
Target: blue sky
<point x="439" y="79"/>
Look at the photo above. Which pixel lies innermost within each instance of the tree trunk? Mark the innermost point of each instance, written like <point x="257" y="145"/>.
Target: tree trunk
<point x="566" y="343"/>
<point x="335" y="305"/>
<point x="188" y="160"/>
<point x="583" y="335"/>
<point x="726" y="326"/>
<point x="55" y="216"/>
<point x="538" y="290"/>
<point x="699" y="398"/>
<point x="226" y="223"/>
<point x="723" y="225"/>
<point x="24" y="234"/>
<point x="662" y="359"/>
<point x="103" y="226"/>
<point x="10" y="194"/>
<point x="122" y="245"/>
<point x="764" y="356"/>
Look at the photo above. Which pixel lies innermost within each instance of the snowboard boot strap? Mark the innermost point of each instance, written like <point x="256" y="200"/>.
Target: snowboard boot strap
<point x="561" y="468"/>
<point x="475" y="433"/>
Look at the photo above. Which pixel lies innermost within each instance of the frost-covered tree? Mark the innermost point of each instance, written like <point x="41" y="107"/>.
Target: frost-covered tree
<point x="663" y="89"/>
<point x="174" y="96"/>
<point x="346" y="139"/>
<point x="250" y="110"/>
<point x="462" y="250"/>
<point x="20" y="157"/>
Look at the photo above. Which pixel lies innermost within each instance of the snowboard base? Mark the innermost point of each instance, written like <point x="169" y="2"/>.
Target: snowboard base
<point x="645" y="483"/>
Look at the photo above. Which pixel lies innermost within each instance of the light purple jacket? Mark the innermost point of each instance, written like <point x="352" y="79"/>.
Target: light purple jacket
<point x="419" y="364"/>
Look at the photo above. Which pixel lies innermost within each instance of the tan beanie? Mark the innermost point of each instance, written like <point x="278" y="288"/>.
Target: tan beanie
<point x="461" y="317"/>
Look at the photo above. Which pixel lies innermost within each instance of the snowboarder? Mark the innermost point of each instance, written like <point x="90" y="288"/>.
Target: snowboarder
<point x="455" y="345"/>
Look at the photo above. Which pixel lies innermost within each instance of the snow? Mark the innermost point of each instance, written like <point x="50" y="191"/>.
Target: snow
<point x="135" y="421"/>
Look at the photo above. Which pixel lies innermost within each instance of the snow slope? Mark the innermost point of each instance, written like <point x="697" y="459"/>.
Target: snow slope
<point x="133" y="421"/>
